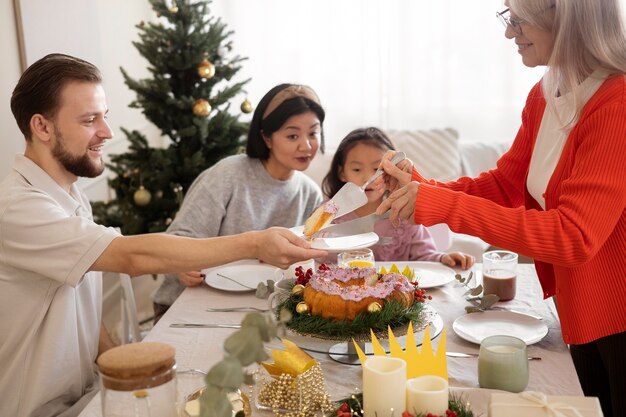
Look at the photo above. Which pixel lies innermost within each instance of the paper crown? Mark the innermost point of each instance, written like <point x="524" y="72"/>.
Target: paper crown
<point x="407" y="272"/>
<point x="418" y="363"/>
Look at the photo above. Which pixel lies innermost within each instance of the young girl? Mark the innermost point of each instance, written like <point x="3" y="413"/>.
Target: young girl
<point x="263" y="188"/>
<point x="356" y="160"/>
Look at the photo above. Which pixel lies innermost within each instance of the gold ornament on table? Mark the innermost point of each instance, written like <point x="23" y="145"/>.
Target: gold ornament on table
<point x="302" y="308"/>
<point x="246" y="106"/>
<point x="142" y="196"/>
<point x="206" y="69"/>
<point x="297" y="385"/>
<point x="201" y="108"/>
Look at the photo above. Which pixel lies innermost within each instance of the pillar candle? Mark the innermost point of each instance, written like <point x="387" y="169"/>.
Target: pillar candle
<point x="384" y="380"/>
<point x="427" y="394"/>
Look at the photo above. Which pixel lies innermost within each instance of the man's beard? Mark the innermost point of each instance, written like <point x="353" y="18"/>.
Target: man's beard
<point x="81" y="165"/>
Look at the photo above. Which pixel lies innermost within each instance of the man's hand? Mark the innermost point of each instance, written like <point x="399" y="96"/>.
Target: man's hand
<point x="191" y="278"/>
<point x="401" y="203"/>
<point x="282" y="248"/>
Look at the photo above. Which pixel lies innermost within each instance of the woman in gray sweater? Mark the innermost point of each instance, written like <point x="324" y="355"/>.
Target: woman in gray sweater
<point x="258" y="190"/>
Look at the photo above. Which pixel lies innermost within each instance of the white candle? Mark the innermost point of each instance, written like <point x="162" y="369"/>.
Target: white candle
<point x="384" y="380"/>
<point x="427" y="394"/>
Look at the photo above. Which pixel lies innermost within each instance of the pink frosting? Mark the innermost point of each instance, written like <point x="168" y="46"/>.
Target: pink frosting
<point x="325" y="281"/>
<point x="331" y="207"/>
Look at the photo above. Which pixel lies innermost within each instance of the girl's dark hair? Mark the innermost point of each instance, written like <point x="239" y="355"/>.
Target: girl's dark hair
<point x="256" y="146"/>
<point x="372" y="136"/>
<point x="39" y="89"/>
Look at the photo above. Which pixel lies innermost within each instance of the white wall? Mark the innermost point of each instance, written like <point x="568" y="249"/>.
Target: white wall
<point x="11" y="140"/>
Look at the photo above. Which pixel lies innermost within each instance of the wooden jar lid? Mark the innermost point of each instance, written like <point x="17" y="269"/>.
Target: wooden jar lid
<point x="137" y="365"/>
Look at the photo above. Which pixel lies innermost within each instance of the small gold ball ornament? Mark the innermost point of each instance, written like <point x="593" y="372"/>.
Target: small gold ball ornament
<point x="374" y="307"/>
<point x="142" y="196"/>
<point x="297" y="289"/>
<point x="246" y="106"/>
<point x="174" y="9"/>
<point x="302" y="308"/>
<point x="201" y="108"/>
<point x="206" y="69"/>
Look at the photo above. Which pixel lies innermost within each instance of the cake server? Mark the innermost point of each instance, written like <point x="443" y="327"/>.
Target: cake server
<point x="350" y="197"/>
<point x="363" y="224"/>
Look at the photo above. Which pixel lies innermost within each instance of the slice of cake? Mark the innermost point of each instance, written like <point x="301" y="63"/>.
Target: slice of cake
<point x="321" y="217"/>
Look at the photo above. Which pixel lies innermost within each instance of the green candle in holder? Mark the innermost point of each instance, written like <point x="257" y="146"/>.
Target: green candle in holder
<point x="503" y="363"/>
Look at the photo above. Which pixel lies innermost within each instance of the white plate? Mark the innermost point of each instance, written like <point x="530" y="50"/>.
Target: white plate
<point x="475" y="327"/>
<point x="249" y="274"/>
<point x="340" y="244"/>
<point x="428" y="274"/>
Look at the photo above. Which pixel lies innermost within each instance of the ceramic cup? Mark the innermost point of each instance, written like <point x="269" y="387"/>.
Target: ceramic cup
<point x="282" y="289"/>
<point x="500" y="274"/>
<point x="503" y="363"/>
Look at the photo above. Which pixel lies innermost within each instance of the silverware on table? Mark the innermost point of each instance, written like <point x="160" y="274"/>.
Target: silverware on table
<point x="535" y="316"/>
<point x="236" y="309"/>
<point x="235" y="281"/>
<point x="205" y="326"/>
<point x="475" y="355"/>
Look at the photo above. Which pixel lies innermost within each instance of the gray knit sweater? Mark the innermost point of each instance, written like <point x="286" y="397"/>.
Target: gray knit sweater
<point x="237" y="195"/>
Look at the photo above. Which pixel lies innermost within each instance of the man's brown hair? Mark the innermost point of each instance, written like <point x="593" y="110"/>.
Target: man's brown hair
<point x="39" y="89"/>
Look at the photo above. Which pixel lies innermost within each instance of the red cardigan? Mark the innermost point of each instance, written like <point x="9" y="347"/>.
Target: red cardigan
<point x="579" y="241"/>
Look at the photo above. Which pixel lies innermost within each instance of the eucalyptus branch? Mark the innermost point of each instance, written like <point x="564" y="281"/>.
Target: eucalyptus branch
<point x="473" y="295"/>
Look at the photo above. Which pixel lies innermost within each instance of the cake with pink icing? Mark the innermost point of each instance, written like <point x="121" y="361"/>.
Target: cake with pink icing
<point x="343" y="293"/>
<point x="322" y="216"/>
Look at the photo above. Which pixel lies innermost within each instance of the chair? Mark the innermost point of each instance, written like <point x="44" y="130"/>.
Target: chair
<point x="130" y="324"/>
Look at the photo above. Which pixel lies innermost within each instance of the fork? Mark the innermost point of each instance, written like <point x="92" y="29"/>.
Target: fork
<point x="236" y="282"/>
<point x="239" y="309"/>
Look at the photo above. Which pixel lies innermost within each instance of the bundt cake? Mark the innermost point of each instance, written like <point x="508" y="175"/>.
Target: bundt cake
<point x="342" y="293"/>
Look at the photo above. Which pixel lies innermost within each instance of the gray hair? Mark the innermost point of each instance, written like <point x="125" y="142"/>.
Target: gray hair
<point x="588" y="35"/>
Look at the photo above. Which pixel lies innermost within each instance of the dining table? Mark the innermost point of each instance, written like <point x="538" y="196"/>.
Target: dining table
<point x="201" y="348"/>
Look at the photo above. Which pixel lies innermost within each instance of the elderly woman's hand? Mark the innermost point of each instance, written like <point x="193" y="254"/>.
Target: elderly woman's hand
<point x="395" y="176"/>
<point x="401" y="203"/>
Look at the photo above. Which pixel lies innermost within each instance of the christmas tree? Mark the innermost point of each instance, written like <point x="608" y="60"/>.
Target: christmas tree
<point x="188" y="98"/>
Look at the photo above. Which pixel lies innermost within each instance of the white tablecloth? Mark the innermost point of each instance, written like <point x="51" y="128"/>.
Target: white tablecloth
<point x="201" y="348"/>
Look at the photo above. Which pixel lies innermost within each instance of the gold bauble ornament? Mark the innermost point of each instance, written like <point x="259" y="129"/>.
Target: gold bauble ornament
<point x="302" y="308"/>
<point x="297" y="289"/>
<point x="201" y="108"/>
<point x="246" y="106"/>
<point x="174" y="9"/>
<point x="142" y="196"/>
<point x="374" y="307"/>
<point x="206" y="69"/>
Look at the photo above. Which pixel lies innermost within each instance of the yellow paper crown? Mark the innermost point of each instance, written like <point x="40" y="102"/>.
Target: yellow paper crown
<point x="407" y="272"/>
<point x="417" y="363"/>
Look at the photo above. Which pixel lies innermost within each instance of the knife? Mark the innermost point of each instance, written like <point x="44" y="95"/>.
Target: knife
<point x="205" y="325"/>
<point x="363" y="224"/>
<point x="475" y="355"/>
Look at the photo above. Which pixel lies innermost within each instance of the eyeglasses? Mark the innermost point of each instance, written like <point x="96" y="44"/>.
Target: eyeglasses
<point x="515" y="24"/>
<point x="507" y="21"/>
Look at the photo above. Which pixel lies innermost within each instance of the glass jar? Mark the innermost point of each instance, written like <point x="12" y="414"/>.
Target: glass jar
<point x="138" y="380"/>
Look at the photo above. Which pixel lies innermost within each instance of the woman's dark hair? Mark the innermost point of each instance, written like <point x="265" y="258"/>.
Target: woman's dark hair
<point x="256" y="146"/>
<point x="39" y="89"/>
<point x="372" y="136"/>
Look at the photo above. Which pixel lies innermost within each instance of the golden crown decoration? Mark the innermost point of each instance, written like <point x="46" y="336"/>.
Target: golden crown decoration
<point x="418" y="363"/>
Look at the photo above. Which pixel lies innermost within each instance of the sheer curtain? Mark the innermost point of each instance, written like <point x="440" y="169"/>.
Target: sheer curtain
<point x="396" y="64"/>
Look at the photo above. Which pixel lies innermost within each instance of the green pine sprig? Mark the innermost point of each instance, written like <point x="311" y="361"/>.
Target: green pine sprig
<point x="393" y="314"/>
